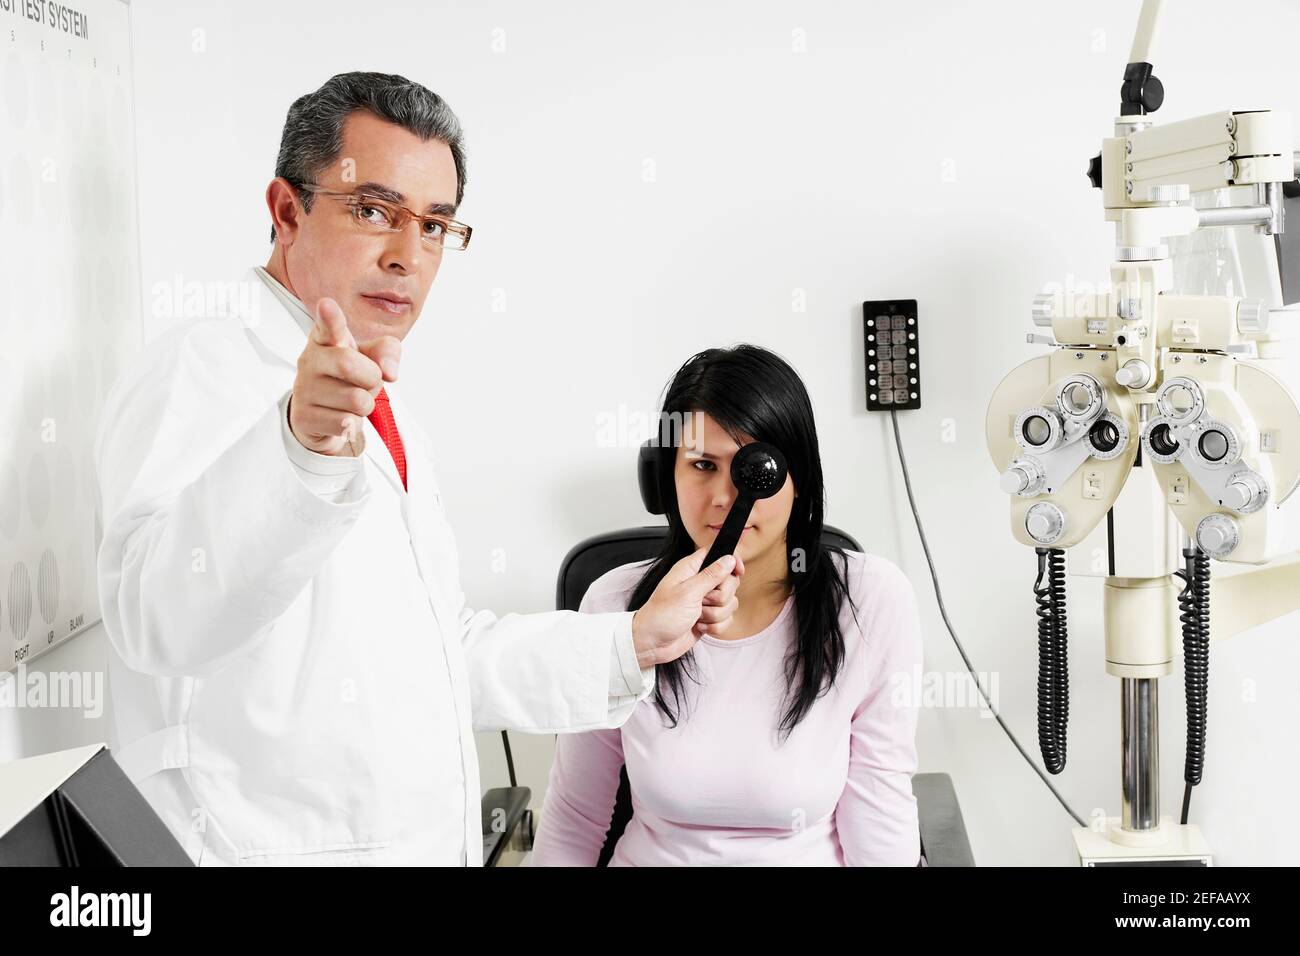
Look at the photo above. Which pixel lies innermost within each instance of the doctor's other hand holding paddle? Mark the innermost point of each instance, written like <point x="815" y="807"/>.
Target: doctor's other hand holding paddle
<point x="688" y="603"/>
<point x="337" y="383"/>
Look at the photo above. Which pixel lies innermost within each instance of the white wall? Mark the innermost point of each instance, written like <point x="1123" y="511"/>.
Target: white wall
<point x="929" y="150"/>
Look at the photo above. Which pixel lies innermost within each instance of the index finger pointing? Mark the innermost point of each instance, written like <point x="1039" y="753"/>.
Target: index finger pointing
<point x="331" y="326"/>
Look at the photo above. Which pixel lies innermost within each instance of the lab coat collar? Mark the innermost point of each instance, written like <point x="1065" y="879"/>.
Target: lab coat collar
<point x="281" y="322"/>
<point x="277" y="318"/>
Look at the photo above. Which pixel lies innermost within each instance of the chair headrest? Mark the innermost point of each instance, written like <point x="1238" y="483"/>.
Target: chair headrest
<point x="647" y="477"/>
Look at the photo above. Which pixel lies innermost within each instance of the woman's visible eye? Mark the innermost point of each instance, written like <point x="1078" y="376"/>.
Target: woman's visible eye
<point x="707" y="465"/>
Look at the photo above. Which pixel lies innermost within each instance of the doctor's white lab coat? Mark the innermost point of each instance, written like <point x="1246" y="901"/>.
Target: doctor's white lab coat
<point x="294" y="675"/>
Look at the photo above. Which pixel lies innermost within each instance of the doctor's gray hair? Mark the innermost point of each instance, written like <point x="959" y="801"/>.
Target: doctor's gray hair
<point x="313" y="131"/>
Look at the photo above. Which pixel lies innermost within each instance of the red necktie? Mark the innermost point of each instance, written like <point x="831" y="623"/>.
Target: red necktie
<point x="382" y="419"/>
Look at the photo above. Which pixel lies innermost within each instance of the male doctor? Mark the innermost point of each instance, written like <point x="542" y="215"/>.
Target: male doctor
<point x="294" y="673"/>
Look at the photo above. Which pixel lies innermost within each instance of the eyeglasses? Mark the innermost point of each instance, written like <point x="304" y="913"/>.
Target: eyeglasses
<point x="381" y="216"/>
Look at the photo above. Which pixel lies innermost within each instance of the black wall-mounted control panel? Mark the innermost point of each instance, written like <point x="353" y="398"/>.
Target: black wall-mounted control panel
<point x="890" y="333"/>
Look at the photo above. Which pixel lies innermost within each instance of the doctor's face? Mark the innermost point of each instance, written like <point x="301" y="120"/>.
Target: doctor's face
<point x="380" y="279"/>
<point x="705" y="493"/>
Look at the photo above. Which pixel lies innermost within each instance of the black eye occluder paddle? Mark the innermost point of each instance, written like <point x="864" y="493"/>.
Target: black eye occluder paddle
<point x="758" y="471"/>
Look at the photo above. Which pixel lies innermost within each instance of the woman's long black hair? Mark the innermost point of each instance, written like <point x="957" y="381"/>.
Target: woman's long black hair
<point x="751" y="391"/>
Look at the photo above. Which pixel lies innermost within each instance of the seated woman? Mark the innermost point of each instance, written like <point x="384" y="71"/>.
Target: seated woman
<point x="789" y="738"/>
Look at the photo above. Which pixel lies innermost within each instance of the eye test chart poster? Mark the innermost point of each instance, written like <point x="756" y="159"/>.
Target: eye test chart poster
<point x="69" y="300"/>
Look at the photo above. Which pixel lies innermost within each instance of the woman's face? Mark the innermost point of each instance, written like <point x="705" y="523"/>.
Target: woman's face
<point x="702" y="474"/>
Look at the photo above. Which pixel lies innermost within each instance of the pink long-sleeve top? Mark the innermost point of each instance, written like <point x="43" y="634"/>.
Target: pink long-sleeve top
<point x="721" y="788"/>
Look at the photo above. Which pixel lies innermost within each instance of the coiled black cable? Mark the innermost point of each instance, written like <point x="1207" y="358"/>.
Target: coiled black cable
<point x="1053" y="663"/>
<point x="1194" y="605"/>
